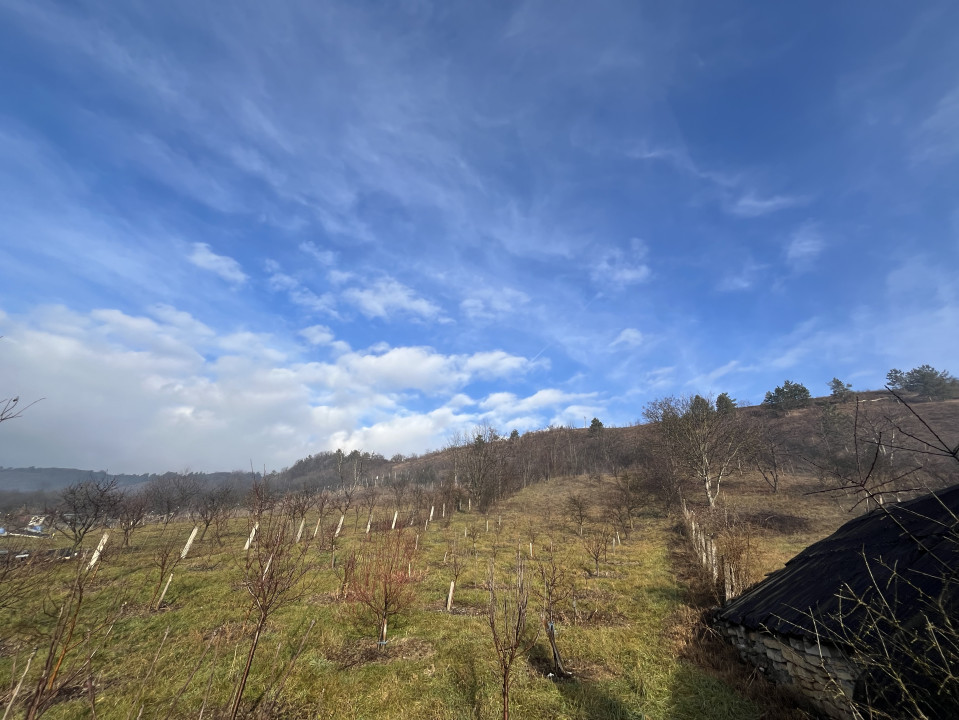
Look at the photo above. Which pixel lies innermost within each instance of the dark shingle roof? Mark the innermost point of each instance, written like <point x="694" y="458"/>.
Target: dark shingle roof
<point x="919" y="538"/>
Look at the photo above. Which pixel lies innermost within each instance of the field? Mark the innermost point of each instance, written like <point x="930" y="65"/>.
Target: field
<point x="629" y="631"/>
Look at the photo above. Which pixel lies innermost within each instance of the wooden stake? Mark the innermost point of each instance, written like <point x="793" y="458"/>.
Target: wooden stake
<point x="249" y="540"/>
<point x="189" y="543"/>
<point x="165" y="588"/>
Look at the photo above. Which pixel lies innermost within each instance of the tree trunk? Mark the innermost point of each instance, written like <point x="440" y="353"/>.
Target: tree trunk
<point x="557" y="659"/>
<point x="506" y="694"/>
<point x="246" y="670"/>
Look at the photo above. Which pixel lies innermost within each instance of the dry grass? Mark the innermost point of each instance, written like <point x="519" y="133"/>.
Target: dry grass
<point x="634" y="639"/>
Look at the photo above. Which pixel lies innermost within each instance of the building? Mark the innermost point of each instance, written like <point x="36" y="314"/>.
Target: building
<point x="861" y="610"/>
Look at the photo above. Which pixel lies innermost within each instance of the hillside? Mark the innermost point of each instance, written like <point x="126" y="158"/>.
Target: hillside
<point x="604" y="554"/>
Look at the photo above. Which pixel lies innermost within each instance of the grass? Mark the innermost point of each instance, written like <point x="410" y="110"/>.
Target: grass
<point x="631" y="641"/>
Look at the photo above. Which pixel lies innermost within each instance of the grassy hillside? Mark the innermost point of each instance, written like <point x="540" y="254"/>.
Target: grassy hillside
<point x="628" y="616"/>
<point x="628" y="641"/>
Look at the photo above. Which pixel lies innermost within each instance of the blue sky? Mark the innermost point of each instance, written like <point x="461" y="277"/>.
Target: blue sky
<point x="253" y="231"/>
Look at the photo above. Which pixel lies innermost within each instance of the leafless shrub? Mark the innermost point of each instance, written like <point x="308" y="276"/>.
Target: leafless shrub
<point x="73" y="636"/>
<point x="272" y="573"/>
<point x="596" y="543"/>
<point x="84" y="507"/>
<point x="385" y="582"/>
<point x="513" y="636"/>
<point x="558" y="586"/>
<point x="578" y="510"/>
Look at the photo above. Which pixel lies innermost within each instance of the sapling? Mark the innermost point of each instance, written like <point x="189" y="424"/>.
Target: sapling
<point x="271" y="576"/>
<point x="506" y="617"/>
<point x="384" y="584"/>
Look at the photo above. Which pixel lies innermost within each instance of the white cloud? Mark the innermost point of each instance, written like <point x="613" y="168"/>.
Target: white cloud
<point x="618" y="268"/>
<point x="387" y="297"/>
<point x="134" y="393"/>
<point x="226" y="267"/>
<point x="300" y="295"/>
<point x="751" y="205"/>
<point x="317" y="335"/>
<point x="628" y="338"/>
<point x="503" y="403"/>
<point x="490" y="303"/>
<point x="324" y="257"/>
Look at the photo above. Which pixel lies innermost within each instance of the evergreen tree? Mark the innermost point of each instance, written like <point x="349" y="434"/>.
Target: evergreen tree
<point x="788" y="396"/>
<point x="840" y="390"/>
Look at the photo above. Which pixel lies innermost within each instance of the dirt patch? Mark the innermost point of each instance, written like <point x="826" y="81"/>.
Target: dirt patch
<point x="353" y="654"/>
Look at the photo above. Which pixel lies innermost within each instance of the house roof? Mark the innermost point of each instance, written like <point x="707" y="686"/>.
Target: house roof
<point x="918" y="538"/>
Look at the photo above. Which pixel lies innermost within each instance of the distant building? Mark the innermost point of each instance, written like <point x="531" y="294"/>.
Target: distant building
<point x="809" y="624"/>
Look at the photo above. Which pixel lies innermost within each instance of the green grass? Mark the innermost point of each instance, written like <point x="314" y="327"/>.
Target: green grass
<point x="622" y="649"/>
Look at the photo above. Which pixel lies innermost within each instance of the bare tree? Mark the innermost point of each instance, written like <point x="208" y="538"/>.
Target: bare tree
<point x="480" y="462"/>
<point x="171" y="494"/>
<point x="272" y="573"/>
<point x="73" y="638"/>
<point x="131" y="513"/>
<point x="322" y="504"/>
<point x="558" y="586"/>
<point x="513" y="636"/>
<point x="211" y="504"/>
<point x="384" y="584"/>
<point x="596" y="543"/>
<point x="579" y="510"/>
<point x="299" y="501"/>
<point x="399" y="484"/>
<point x="702" y="444"/>
<point x="769" y="452"/>
<point x="368" y="501"/>
<point x="85" y="506"/>
<point x="10" y="408"/>
<point x="625" y="500"/>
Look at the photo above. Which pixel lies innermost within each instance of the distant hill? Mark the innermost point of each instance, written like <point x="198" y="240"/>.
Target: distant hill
<point x="34" y="478"/>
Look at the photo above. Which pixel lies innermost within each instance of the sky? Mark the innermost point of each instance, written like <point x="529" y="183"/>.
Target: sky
<point x="241" y="233"/>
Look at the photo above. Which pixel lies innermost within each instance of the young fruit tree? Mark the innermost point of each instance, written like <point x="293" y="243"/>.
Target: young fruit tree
<point x="272" y="574"/>
<point x="513" y="636"/>
<point x="384" y="584"/>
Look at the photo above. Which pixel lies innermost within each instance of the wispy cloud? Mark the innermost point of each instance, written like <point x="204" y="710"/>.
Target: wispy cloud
<point x="742" y="279"/>
<point x="387" y="297"/>
<point x="324" y="257"/>
<point x="222" y="265"/>
<point x="489" y="303"/>
<point x="805" y="245"/>
<point x="300" y="295"/>
<point x="752" y="205"/>
<point x="707" y="381"/>
<point x="937" y="138"/>
<point x="621" y="268"/>
<point x="628" y="338"/>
